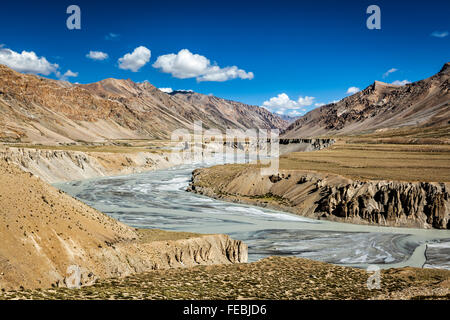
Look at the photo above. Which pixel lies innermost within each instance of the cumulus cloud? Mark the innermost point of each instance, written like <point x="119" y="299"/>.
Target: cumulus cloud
<point x="27" y="62"/>
<point x="352" y="90"/>
<point x="281" y="103"/>
<point x="69" y="73"/>
<point x="401" y="82"/>
<point x="97" y="55"/>
<point x="439" y="34"/>
<point x="166" y="90"/>
<point x="135" y="60"/>
<point x="387" y="73"/>
<point x="295" y="113"/>
<point x="185" y="65"/>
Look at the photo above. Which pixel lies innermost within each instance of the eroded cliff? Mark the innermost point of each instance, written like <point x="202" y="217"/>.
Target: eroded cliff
<point x="66" y="165"/>
<point x="329" y="196"/>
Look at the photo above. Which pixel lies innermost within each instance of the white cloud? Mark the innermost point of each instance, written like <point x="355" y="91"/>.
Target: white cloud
<point x="387" y="73"/>
<point x="306" y="101"/>
<point x="97" y="55"/>
<point x="295" y="113"/>
<point x="135" y="60"/>
<point x="112" y="36"/>
<point x="352" y="90"/>
<point x="166" y="90"/>
<point x="439" y="34"/>
<point x="185" y="65"/>
<point x="401" y="83"/>
<point x="319" y="104"/>
<point x="281" y="103"/>
<point x="27" y="62"/>
<point x="66" y="75"/>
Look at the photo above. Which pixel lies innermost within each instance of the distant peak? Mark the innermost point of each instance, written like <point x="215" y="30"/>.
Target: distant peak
<point x="381" y="85"/>
<point x="445" y="68"/>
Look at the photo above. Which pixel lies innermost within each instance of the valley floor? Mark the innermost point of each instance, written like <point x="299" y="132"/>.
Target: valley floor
<point x="288" y="277"/>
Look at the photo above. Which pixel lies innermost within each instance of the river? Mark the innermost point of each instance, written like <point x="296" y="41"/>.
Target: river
<point x="157" y="199"/>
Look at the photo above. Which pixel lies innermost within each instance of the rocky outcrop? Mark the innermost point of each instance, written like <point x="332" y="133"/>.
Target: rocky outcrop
<point x="388" y="203"/>
<point x="59" y="166"/>
<point x="332" y="197"/>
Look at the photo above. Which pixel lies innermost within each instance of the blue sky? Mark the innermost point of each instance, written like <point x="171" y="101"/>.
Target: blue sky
<point x="297" y="53"/>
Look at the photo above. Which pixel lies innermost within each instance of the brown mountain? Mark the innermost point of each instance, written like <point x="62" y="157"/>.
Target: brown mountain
<point x="35" y="109"/>
<point x="381" y="106"/>
<point x="231" y="114"/>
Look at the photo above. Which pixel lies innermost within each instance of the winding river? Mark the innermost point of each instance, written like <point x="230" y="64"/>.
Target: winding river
<point x="158" y="199"/>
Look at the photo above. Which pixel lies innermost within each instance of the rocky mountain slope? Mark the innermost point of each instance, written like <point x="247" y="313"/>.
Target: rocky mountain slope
<point x="232" y="114"/>
<point x="330" y="196"/>
<point x="35" y="109"/>
<point x="45" y="234"/>
<point x="381" y="106"/>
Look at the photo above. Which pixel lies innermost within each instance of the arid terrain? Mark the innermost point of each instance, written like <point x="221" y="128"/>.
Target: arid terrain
<point x="374" y="165"/>
<point x="270" y="278"/>
<point x="43" y="231"/>
<point x="422" y="104"/>
<point x="390" y="164"/>
<point x="368" y="183"/>
<point x="38" y="110"/>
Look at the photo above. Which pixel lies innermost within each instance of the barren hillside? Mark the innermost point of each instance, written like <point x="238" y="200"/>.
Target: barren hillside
<point x="43" y="232"/>
<point x="35" y="109"/>
<point x="381" y="106"/>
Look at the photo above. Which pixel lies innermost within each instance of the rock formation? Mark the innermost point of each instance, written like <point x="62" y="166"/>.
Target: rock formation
<point x="332" y="197"/>
<point x="54" y="166"/>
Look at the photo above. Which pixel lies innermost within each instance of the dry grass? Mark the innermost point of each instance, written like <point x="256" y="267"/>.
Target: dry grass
<point x="406" y="135"/>
<point x="148" y="235"/>
<point x="365" y="161"/>
<point x="118" y="146"/>
<point x="270" y="278"/>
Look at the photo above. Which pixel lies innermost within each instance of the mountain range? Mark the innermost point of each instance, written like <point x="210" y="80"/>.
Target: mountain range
<point x="34" y="109"/>
<point x="381" y="106"/>
<point x="39" y="110"/>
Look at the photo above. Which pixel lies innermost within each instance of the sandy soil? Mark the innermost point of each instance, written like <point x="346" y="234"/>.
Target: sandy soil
<point x="270" y="278"/>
